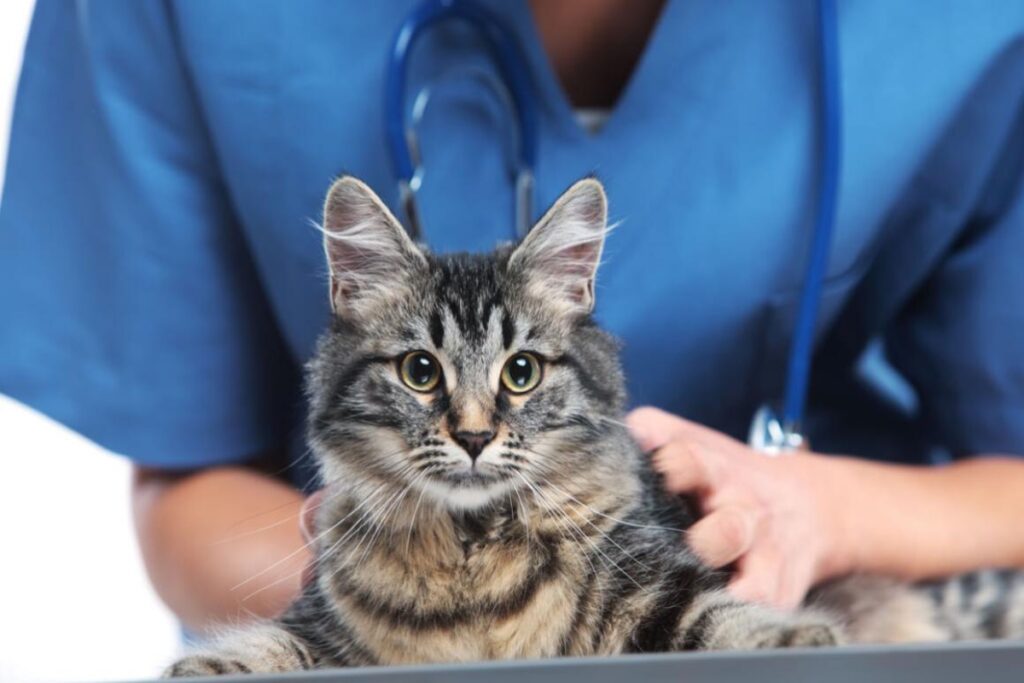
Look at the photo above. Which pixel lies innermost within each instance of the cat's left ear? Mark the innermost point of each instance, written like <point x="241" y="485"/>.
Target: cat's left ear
<point x="560" y="255"/>
<point x="370" y="256"/>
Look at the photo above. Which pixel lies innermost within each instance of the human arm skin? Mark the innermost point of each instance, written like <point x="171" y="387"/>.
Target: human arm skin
<point x="790" y="522"/>
<point x="922" y="522"/>
<point x="203" y="533"/>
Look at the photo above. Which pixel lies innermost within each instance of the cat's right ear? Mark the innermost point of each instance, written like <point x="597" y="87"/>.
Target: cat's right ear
<point x="369" y="254"/>
<point x="560" y="255"/>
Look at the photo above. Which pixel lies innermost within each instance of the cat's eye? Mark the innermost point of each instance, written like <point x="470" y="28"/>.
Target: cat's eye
<point x="521" y="373"/>
<point x="420" y="371"/>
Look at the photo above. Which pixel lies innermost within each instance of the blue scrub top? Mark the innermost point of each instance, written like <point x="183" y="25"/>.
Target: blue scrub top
<point x="161" y="284"/>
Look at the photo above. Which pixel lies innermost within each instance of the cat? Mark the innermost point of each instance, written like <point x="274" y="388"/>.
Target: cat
<point x="484" y="498"/>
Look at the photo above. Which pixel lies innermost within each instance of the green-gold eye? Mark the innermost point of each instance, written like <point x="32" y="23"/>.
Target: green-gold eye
<point x="420" y="371"/>
<point x="521" y="373"/>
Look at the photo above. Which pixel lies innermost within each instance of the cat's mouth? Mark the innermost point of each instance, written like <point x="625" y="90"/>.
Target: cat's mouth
<point x="470" y="478"/>
<point x="469" y="487"/>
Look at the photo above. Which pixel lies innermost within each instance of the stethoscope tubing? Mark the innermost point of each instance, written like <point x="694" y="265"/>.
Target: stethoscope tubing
<point x="830" y="141"/>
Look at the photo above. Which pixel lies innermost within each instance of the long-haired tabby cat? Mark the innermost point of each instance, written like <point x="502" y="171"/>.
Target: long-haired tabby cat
<point x="484" y="498"/>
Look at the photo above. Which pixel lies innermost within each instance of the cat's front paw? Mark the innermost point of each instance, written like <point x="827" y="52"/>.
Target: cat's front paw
<point x="813" y="634"/>
<point x="205" y="665"/>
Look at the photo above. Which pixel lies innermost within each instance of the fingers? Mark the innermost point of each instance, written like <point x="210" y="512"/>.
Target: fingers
<point x="724" y="536"/>
<point x="757" y="580"/>
<point x="682" y="462"/>
<point x="763" y="577"/>
<point x="793" y="585"/>
<point x="745" y="502"/>
<point x="653" y="428"/>
<point x="685" y="467"/>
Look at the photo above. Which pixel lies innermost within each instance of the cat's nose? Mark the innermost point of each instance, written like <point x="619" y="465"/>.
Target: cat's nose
<point x="473" y="442"/>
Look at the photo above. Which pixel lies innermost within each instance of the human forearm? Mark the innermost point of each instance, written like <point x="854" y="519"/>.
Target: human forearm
<point x="921" y="522"/>
<point x="204" y="533"/>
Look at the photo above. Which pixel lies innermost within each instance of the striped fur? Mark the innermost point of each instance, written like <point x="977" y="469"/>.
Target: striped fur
<point x="559" y="539"/>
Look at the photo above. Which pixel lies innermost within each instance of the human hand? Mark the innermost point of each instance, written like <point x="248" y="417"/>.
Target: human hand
<point x="773" y="518"/>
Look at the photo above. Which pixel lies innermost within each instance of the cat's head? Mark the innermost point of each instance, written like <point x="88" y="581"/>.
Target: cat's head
<point x="464" y="377"/>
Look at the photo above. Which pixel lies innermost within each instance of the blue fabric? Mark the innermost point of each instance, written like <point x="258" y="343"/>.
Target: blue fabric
<point x="160" y="283"/>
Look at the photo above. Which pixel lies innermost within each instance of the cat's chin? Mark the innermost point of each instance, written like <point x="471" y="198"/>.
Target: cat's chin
<point x="466" y="498"/>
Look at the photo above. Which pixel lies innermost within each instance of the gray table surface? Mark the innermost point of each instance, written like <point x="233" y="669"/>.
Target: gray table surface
<point x="993" y="662"/>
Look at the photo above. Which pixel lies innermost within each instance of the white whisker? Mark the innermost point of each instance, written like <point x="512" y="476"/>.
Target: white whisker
<point x="316" y="560"/>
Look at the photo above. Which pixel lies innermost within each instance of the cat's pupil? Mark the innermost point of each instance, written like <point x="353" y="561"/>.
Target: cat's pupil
<point x="520" y="371"/>
<point x="422" y="369"/>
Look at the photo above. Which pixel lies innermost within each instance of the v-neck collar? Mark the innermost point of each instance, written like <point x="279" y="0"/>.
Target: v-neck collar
<point x="553" y="99"/>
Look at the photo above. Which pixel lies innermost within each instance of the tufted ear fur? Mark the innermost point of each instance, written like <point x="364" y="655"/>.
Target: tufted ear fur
<point x="369" y="254"/>
<point x="559" y="257"/>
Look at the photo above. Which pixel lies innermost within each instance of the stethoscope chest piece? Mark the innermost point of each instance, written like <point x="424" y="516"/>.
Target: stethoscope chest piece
<point x="770" y="435"/>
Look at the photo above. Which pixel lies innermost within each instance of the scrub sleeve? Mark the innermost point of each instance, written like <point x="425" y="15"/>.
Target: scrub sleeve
<point x="130" y="307"/>
<point x="960" y="340"/>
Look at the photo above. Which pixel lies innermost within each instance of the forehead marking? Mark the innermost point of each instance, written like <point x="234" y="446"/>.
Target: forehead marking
<point x="436" y="328"/>
<point x="468" y="287"/>
<point x="508" y="329"/>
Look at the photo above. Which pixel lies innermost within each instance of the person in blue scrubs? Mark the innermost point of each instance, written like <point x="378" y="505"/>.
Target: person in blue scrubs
<point x="161" y="284"/>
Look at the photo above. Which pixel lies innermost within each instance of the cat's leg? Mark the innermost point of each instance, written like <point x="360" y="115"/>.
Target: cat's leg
<point x="266" y="648"/>
<point x="882" y="610"/>
<point x="980" y="605"/>
<point x="985" y="604"/>
<point x="717" y="621"/>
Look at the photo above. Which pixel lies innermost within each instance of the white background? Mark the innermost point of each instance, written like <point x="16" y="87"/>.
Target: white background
<point x="74" y="600"/>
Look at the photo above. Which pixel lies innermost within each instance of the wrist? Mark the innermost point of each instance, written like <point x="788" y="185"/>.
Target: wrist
<point x="833" y="488"/>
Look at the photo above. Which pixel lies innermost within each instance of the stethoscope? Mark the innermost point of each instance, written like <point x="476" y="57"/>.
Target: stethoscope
<point x="772" y="432"/>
